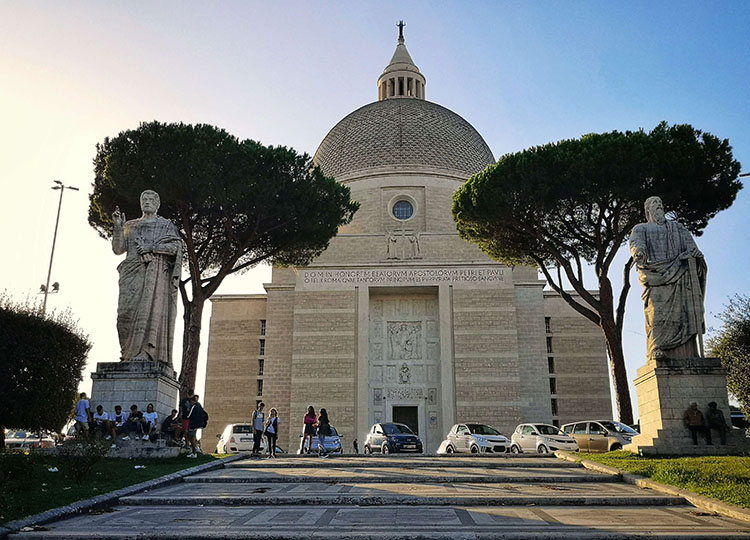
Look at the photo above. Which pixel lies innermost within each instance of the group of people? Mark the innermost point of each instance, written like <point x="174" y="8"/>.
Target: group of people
<point x="110" y="425"/>
<point x="697" y="422"/>
<point x="265" y="426"/>
<point x="142" y="425"/>
<point x="312" y="426"/>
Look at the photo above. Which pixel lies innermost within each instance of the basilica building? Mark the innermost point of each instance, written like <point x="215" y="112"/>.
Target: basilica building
<point x="399" y="319"/>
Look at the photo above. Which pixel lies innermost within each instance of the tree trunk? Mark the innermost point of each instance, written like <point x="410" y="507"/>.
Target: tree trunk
<point x="619" y="373"/>
<point x="2" y="438"/>
<point x="191" y="343"/>
<point x="614" y="350"/>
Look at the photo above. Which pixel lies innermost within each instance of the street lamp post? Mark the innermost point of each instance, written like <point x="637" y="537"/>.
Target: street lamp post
<point x="62" y="187"/>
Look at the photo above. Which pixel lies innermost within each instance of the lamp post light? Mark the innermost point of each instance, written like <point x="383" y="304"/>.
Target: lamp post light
<point x="62" y="187"/>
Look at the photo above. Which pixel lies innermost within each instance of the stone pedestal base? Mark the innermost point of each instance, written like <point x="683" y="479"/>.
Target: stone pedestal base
<point x="666" y="387"/>
<point x="139" y="383"/>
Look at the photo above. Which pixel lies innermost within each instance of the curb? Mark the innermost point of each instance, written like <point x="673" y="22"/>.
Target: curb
<point x="699" y="501"/>
<point x="112" y="497"/>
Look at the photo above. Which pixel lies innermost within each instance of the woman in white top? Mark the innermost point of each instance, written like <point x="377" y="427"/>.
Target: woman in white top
<point x="272" y="431"/>
<point x="151" y="419"/>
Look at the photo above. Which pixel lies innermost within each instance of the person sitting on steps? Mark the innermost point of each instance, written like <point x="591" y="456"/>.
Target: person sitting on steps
<point x="694" y="421"/>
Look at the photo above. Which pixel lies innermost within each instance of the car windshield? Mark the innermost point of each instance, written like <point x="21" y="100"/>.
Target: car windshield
<point x="333" y="433"/>
<point x="545" y="429"/>
<point x="618" y="428"/>
<point x="242" y="429"/>
<point x="395" y="429"/>
<point x="482" y="429"/>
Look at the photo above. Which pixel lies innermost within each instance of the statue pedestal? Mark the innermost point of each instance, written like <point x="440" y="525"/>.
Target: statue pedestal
<point x="139" y="383"/>
<point x="666" y="387"/>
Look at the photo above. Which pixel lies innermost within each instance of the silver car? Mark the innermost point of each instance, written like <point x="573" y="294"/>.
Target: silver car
<point x="331" y="444"/>
<point x="541" y="439"/>
<point x="474" y="438"/>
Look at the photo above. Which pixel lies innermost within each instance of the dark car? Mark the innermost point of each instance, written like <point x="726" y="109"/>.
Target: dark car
<point x="390" y="437"/>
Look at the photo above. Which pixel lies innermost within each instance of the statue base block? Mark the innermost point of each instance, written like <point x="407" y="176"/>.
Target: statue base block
<point x="139" y="383"/>
<point x="666" y="388"/>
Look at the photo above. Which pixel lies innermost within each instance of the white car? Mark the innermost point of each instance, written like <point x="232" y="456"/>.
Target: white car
<point x="474" y="438"/>
<point x="239" y="438"/>
<point x="21" y="439"/>
<point x="541" y="438"/>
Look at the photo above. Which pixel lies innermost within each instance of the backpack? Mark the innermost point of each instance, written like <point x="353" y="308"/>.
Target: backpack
<point x="204" y="423"/>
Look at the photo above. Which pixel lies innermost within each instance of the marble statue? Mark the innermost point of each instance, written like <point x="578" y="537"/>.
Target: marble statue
<point x="673" y="274"/>
<point x="149" y="279"/>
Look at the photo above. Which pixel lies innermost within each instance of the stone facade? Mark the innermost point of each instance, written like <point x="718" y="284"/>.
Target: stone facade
<point x="399" y="319"/>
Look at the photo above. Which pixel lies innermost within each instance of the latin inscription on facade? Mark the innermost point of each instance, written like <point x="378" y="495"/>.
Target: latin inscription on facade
<point x="340" y="278"/>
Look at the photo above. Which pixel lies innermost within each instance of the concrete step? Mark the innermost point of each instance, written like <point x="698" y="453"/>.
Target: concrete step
<point x="379" y="494"/>
<point x="413" y="462"/>
<point x="394" y="523"/>
<point x="396" y="474"/>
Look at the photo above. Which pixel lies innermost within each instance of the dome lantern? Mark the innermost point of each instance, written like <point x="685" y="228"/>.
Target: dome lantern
<point x="401" y="78"/>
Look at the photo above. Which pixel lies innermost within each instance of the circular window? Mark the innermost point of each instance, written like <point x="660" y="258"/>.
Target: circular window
<point x="402" y="210"/>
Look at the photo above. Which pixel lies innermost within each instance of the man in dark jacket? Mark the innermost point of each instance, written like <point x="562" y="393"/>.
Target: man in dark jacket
<point x="197" y="420"/>
<point x="715" y="420"/>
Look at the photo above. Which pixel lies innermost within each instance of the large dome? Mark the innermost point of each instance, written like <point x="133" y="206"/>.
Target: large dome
<point x="402" y="132"/>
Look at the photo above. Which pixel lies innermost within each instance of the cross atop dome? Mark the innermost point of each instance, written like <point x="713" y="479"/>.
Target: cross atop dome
<point x="401" y="78"/>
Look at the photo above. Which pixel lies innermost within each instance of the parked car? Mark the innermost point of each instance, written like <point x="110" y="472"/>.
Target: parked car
<point x="391" y="437"/>
<point x="239" y="438"/>
<point x="26" y="440"/>
<point x="474" y="438"/>
<point x="332" y="443"/>
<point x="541" y="438"/>
<point x="738" y="419"/>
<point x="600" y="435"/>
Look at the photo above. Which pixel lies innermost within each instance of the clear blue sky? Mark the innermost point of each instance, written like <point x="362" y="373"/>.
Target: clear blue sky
<point x="523" y="73"/>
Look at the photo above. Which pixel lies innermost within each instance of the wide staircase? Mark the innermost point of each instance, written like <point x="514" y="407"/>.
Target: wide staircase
<point x="391" y="497"/>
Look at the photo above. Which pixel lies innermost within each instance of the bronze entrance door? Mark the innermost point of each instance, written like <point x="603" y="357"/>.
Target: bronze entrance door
<point x="408" y="416"/>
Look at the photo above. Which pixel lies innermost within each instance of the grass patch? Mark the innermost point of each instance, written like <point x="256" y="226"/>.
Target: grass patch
<point x="27" y="487"/>
<point x="726" y="478"/>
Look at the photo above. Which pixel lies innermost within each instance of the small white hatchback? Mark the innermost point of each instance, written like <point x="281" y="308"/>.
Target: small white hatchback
<point x="474" y="438"/>
<point x="541" y="438"/>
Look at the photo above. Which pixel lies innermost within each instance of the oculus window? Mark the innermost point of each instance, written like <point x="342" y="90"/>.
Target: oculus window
<point x="402" y="210"/>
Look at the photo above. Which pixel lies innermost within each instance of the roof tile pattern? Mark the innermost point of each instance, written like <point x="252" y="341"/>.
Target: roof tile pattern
<point x="403" y="131"/>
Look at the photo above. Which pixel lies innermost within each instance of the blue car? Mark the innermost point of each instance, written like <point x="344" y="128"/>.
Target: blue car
<point x="390" y="437"/>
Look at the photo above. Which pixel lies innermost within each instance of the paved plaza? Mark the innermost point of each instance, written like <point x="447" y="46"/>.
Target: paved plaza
<point x="398" y="497"/>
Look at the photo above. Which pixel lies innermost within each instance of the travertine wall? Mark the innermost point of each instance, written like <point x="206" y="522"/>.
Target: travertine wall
<point x="581" y="366"/>
<point x="232" y="365"/>
<point x="486" y="357"/>
<point x="323" y="367"/>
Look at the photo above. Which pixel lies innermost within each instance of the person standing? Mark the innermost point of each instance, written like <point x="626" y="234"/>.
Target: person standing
<point x="196" y="420"/>
<point x="83" y="415"/>
<point x="715" y="420"/>
<point x="258" y="425"/>
<point x="185" y="405"/>
<point x="308" y="429"/>
<point x="272" y="431"/>
<point x="324" y="430"/>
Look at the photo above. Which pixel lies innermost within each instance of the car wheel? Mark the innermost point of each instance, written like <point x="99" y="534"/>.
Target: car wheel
<point x="474" y="449"/>
<point x="449" y="449"/>
<point x="541" y="449"/>
<point x="367" y="450"/>
<point x="385" y="450"/>
<point x="514" y="449"/>
<point x="615" y="447"/>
